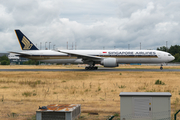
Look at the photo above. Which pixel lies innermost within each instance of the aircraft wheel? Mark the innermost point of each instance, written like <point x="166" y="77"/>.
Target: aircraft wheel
<point x="161" y="67"/>
<point x="91" y="68"/>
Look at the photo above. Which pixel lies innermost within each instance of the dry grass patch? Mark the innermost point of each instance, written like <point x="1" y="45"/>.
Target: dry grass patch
<point x="96" y="91"/>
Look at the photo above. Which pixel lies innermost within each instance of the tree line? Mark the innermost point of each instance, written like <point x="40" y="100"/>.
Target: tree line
<point x="173" y="50"/>
<point x="4" y="60"/>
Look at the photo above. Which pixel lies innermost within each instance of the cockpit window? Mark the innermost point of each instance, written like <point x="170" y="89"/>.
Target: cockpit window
<point x="169" y="55"/>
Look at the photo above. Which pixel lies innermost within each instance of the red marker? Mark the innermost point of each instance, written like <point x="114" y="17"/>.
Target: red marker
<point x="104" y="52"/>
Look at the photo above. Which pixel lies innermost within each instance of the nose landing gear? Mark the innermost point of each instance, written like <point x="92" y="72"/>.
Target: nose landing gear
<point x="161" y="68"/>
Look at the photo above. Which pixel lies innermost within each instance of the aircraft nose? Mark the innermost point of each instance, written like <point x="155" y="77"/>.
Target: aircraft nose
<point x="173" y="57"/>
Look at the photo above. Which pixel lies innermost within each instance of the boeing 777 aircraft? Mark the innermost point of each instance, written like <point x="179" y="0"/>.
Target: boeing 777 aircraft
<point x="107" y="58"/>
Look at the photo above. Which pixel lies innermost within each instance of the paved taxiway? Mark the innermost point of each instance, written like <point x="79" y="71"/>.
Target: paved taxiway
<point x="99" y="70"/>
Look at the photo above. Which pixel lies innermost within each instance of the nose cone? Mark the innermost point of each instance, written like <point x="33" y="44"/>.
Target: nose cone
<point x="173" y="57"/>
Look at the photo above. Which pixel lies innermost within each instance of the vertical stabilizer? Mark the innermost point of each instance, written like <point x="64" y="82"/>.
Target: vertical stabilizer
<point x="24" y="42"/>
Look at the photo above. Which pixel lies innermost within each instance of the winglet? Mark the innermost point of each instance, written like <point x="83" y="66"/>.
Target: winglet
<point x="24" y="42"/>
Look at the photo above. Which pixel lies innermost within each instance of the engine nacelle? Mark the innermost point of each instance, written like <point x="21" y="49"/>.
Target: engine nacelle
<point x="109" y="62"/>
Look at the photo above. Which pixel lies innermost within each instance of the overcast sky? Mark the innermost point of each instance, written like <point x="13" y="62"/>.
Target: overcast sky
<point x="91" y="24"/>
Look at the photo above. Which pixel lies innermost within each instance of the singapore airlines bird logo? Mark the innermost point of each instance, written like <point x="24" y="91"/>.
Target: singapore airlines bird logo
<point x="27" y="44"/>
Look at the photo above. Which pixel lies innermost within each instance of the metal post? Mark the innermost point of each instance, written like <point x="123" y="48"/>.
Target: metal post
<point x="40" y="45"/>
<point x="54" y="47"/>
<point x="49" y="45"/>
<point x="176" y="114"/>
<point x="72" y="45"/>
<point x="45" y="45"/>
<point x="75" y="45"/>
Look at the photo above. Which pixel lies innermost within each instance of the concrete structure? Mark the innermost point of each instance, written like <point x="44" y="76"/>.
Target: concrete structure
<point x="16" y="59"/>
<point x="145" y="106"/>
<point x="59" y="112"/>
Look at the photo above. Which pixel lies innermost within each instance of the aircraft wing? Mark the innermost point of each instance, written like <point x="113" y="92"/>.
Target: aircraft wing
<point x="83" y="56"/>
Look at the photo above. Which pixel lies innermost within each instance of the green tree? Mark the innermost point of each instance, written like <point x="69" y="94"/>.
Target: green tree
<point x="174" y="49"/>
<point x="4" y="60"/>
<point x="177" y="57"/>
<point x="163" y="48"/>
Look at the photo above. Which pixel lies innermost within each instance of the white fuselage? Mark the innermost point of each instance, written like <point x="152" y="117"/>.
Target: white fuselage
<point x="122" y="56"/>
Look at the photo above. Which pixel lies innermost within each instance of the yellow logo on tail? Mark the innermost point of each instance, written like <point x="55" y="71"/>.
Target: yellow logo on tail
<point x="27" y="44"/>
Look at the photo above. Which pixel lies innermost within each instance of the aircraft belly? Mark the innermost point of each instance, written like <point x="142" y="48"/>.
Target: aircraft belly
<point x="137" y="60"/>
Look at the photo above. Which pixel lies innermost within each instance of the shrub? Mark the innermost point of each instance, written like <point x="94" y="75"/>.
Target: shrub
<point x="99" y="89"/>
<point x="158" y="82"/>
<point x="122" y="86"/>
<point x="116" y="115"/>
<point x="27" y="94"/>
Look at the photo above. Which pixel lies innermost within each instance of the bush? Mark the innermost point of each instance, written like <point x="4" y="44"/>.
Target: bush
<point x="158" y="82"/>
<point x="27" y="94"/>
<point x="4" y="60"/>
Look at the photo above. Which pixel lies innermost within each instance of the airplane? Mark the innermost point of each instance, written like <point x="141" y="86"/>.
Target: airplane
<point x="107" y="58"/>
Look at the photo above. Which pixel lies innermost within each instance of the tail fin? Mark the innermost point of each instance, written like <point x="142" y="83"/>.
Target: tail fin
<point x="24" y="42"/>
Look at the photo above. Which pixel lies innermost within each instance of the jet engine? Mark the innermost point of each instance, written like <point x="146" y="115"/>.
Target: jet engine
<point x="109" y="62"/>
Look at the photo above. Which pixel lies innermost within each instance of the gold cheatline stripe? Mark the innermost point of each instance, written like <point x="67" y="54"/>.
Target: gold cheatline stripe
<point x="67" y="57"/>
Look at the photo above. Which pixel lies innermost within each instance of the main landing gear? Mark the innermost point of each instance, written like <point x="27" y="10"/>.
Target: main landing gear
<point x="91" y="68"/>
<point x="161" y="68"/>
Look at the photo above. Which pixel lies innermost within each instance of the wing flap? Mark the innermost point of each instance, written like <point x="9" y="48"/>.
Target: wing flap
<point x="79" y="55"/>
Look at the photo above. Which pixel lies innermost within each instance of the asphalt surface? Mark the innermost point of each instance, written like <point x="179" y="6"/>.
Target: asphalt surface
<point x="99" y="70"/>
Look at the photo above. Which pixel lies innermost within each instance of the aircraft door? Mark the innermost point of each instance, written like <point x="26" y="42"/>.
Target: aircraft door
<point x="159" y="56"/>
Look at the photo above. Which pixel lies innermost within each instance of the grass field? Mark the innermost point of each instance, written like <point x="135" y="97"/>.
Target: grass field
<point x="21" y="93"/>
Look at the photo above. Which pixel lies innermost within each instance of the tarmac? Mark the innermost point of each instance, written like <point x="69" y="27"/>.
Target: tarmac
<point x="99" y="70"/>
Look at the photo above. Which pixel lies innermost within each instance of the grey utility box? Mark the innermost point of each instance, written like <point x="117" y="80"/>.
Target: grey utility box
<point x="145" y="106"/>
<point x="59" y="112"/>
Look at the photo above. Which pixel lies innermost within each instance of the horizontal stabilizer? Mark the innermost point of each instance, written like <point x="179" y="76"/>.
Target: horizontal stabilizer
<point x="18" y="53"/>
